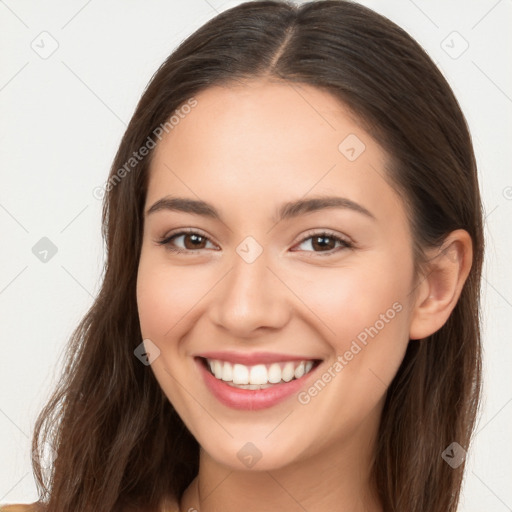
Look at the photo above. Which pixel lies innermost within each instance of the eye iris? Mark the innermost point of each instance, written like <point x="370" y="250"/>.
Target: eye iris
<point x="320" y="242"/>
<point x="197" y="241"/>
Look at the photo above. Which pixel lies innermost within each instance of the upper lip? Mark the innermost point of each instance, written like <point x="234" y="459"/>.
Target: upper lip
<point x="253" y="358"/>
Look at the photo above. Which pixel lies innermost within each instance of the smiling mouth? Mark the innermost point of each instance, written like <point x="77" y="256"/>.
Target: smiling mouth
<point x="259" y="376"/>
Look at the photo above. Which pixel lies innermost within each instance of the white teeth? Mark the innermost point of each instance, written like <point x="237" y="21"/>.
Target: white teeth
<point x="299" y="371"/>
<point x="217" y="369"/>
<point x="227" y="372"/>
<point x="240" y="374"/>
<point x="259" y="376"/>
<point x="274" y="373"/>
<point x="249" y="386"/>
<point x="288" y="372"/>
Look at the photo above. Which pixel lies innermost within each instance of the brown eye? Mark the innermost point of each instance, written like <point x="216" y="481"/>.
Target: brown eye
<point x="193" y="241"/>
<point x="324" y="243"/>
<point x="185" y="241"/>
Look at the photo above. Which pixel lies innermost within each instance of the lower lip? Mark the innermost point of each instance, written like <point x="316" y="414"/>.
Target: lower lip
<point x="251" y="399"/>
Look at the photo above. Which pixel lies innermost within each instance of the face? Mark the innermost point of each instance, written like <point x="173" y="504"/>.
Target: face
<point x="278" y="256"/>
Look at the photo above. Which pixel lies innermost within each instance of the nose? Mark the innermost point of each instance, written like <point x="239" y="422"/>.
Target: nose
<point x="251" y="297"/>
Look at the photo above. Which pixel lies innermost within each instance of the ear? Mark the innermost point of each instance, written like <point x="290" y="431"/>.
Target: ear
<point x="439" y="288"/>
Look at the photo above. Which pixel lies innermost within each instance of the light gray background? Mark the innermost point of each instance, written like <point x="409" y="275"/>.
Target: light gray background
<point x="62" y="118"/>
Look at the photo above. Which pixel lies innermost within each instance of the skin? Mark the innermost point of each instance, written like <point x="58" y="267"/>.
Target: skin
<point x="247" y="149"/>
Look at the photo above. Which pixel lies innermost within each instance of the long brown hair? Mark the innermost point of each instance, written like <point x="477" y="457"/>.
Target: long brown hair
<point x="118" y="441"/>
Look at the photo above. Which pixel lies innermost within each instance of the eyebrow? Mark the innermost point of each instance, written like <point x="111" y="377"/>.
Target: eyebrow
<point x="288" y="210"/>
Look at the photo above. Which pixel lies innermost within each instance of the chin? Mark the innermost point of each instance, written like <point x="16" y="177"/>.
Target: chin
<point x="254" y="452"/>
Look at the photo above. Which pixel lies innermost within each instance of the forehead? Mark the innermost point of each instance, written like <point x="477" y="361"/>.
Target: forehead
<point x="276" y="139"/>
<point x="239" y="118"/>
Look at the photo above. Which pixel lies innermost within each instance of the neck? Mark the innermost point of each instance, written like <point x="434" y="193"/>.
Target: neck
<point x="335" y="478"/>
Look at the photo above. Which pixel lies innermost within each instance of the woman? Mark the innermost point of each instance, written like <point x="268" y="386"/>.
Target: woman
<point x="289" y="318"/>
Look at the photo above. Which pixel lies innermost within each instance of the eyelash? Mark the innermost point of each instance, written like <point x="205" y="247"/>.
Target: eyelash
<point x="166" y="241"/>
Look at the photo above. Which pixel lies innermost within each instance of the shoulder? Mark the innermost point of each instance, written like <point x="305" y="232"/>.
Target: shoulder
<point x="33" y="507"/>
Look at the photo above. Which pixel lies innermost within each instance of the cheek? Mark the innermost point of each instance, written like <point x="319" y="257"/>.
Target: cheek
<point x="164" y="296"/>
<point x="349" y="300"/>
<point x="365" y="317"/>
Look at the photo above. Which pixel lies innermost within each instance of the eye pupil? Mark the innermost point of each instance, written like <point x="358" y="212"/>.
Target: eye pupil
<point x="196" y="240"/>
<point x="320" y="241"/>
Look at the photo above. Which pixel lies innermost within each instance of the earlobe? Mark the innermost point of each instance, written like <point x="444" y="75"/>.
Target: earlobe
<point x="440" y="288"/>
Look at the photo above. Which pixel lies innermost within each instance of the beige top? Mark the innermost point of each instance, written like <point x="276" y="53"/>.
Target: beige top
<point x="19" y="508"/>
<point x="169" y="506"/>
